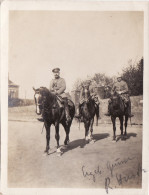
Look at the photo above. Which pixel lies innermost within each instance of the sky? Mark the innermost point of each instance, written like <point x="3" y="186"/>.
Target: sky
<point x="80" y="43"/>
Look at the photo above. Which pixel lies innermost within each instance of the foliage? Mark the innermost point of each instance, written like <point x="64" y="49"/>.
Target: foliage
<point x="133" y="75"/>
<point x="77" y="84"/>
<point x="103" y="80"/>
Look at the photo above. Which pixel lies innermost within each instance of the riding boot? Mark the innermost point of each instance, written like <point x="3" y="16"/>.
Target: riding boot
<point x="129" y="109"/>
<point x="68" y="118"/>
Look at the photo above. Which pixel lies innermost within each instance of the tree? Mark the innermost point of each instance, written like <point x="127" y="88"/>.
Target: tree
<point x="133" y="75"/>
<point x="77" y="85"/>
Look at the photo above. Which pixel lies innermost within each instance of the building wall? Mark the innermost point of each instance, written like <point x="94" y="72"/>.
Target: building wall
<point x="13" y="92"/>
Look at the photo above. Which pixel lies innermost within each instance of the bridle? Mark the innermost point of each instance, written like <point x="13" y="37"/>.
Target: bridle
<point x="38" y="103"/>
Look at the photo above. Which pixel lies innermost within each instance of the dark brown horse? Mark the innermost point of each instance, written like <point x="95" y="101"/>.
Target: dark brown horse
<point x="88" y="111"/>
<point x="52" y="113"/>
<point x="97" y="113"/>
<point x="118" y="109"/>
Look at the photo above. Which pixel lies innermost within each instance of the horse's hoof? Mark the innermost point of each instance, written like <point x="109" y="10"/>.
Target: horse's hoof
<point x="48" y="152"/>
<point x="92" y="141"/>
<point x="67" y="142"/>
<point x="59" y="152"/>
<point x="114" y="139"/>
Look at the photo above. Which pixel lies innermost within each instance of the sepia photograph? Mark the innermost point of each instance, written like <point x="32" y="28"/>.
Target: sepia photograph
<point x="76" y="100"/>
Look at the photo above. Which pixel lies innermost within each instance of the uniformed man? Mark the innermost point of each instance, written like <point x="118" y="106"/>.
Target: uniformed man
<point x="57" y="87"/>
<point x="120" y="87"/>
<point x="88" y="90"/>
<point x="84" y="94"/>
<point x="93" y="91"/>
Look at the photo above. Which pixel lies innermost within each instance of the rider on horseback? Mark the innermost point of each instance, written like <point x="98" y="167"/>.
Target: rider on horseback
<point x="121" y="88"/>
<point x="86" y="92"/>
<point x="57" y="87"/>
<point x="93" y="92"/>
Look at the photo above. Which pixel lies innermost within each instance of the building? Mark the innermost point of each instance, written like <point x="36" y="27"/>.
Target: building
<point x="13" y="90"/>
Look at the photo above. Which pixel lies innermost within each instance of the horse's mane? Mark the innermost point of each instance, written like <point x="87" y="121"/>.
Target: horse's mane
<point x="45" y="91"/>
<point x="50" y="97"/>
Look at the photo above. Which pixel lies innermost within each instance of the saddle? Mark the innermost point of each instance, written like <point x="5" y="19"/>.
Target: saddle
<point x="60" y="101"/>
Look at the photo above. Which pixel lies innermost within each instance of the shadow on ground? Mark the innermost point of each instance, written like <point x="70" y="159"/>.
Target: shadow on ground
<point x="129" y="135"/>
<point x="81" y="142"/>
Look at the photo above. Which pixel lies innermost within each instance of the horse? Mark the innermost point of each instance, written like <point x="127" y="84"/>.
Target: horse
<point x="52" y="113"/>
<point x="97" y="113"/>
<point x="88" y="111"/>
<point x="118" y="109"/>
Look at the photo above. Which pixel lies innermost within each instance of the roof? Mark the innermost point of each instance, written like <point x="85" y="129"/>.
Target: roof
<point x="10" y="83"/>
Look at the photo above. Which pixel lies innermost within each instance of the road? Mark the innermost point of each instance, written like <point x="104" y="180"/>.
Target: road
<point x="99" y="165"/>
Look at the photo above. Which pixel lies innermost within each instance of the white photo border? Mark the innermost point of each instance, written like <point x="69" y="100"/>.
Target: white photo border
<point x="70" y="5"/>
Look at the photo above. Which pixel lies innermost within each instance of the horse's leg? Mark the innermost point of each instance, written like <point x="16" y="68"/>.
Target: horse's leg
<point x="67" y="130"/>
<point x="114" y="127"/>
<point x="97" y="117"/>
<point x="97" y="114"/>
<point x="57" y="136"/>
<point x="121" y="124"/>
<point x="126" y="120"/>
<point x="86" y="125"/>
<point x="91" y="126"/>
<point x="47" y="126"/>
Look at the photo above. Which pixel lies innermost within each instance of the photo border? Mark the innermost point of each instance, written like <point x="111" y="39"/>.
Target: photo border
<point x="71" y="6"/>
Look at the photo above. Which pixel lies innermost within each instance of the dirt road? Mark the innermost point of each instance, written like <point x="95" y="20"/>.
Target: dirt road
<point x="99" y="165"/>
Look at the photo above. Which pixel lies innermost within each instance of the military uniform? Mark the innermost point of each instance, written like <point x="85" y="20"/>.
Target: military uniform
<point x="93" y="93"/>
<point x="86" y="92"/>
<point x="121" y="88"/>
<point x="58" y="86"/>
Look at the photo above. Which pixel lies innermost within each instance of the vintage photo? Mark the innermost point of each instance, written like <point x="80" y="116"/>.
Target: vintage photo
<point x="76" y="99"/>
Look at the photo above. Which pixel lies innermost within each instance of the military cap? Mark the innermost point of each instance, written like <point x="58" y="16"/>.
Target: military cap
<point x="56" y="70"/>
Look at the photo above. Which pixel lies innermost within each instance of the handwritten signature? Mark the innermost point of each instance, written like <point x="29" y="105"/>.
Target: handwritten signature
<point x="92" y="174"/>
<point x="112" y="174"/>
<point x="111" y="166"/>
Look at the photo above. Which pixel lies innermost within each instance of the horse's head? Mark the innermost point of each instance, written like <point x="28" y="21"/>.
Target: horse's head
<point x="40" y="96"/>
<point x="86" y="92"/>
